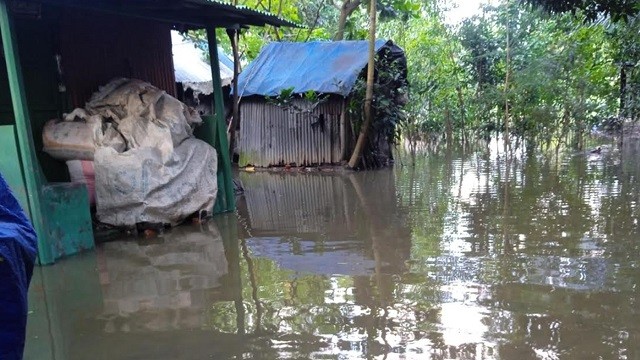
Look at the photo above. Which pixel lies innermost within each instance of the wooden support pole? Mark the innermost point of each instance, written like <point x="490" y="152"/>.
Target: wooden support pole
<point x="218" y="107"/>
<point x="31" y="169"/>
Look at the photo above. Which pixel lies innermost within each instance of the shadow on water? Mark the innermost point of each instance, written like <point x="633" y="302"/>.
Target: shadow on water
<point x="468" y="254"/>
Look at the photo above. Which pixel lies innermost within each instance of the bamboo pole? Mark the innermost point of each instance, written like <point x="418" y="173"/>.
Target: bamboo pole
<point x="368" y="100"/>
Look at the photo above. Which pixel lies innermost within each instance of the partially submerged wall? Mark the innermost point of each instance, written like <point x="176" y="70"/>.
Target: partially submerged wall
<point x="271" y="135"/>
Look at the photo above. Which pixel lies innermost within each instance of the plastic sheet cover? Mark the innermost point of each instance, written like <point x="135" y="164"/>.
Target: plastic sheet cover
<point x="330" y="67"/>
<point x="166" y="174"/>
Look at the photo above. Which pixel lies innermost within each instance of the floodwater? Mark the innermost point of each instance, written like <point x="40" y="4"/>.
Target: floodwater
<point x="466" y="255"/>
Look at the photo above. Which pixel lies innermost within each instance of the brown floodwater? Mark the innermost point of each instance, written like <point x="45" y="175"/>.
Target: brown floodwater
<point x="454" y="255"/>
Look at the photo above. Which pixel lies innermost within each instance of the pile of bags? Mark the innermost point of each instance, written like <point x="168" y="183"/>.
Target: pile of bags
<point x="139" y="142"/>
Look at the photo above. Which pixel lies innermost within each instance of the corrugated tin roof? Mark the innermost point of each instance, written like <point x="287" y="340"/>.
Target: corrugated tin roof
<point x="192" y="71"/>
<point x="322" y="66"/>
<point x="191" y="14"/>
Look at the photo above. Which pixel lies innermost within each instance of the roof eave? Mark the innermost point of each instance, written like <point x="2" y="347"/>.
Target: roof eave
<point x="181" y="14"/>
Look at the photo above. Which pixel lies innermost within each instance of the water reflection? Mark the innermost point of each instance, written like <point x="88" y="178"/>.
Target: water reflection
<point x="532" y="246"/>
<point x="137" y="298"/>
<point x="161" y="285"/>
<point x="465" y="255"/>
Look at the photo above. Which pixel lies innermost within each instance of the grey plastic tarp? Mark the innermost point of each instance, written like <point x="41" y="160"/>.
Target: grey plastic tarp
<point x="141" y="185"/>
<point x="165" y="174"/>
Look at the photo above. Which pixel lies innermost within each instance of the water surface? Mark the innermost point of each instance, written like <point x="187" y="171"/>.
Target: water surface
<point x="466" y="255"/>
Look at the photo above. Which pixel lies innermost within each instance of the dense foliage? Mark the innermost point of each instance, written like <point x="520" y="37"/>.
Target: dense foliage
<point x="550" y="72"/>
<point x="617" y="9"/>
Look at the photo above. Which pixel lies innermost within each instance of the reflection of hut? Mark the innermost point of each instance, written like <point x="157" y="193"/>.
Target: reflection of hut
<point x="303" y="203"/>
<point x="308" y="220"/>
<point x="307" y="130"/>
<point x="57" y="53"/>
<point x="193" y="74"/>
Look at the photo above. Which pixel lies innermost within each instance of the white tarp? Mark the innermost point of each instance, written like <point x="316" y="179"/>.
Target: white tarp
<point x="140" y="185"/>
<point x="165" y="174"/>
<point x="146" y="116"/>
<point x="192" y="71"/>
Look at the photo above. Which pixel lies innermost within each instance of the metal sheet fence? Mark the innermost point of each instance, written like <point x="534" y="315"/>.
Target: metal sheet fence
<point x="271" y="135"/>
<point x="98" y="47"/>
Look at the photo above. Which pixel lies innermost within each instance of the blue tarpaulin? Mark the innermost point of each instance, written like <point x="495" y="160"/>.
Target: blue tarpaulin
<point x="17" y="255"/>
<point x="330" y="67"/>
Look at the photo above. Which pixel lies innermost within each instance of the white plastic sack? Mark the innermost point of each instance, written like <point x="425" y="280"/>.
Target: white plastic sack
<point x="141" y="185"/>
<point x="78" y="140"/>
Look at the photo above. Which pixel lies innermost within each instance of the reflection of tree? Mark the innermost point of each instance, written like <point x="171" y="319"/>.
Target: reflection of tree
<point x="290" y="307"/>
<point x="516" y="244"/>
<point x="536" y="228"/>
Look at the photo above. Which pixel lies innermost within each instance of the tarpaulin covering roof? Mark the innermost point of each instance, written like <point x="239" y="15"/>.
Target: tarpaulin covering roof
<point x="321" y="66"/>
<point x="17" y="256"/>
<point x="192" y="71"/>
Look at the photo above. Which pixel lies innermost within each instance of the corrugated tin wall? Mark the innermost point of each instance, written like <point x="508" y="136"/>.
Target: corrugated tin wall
<point x="98" y="47"/>
<point x="271" y="135"/>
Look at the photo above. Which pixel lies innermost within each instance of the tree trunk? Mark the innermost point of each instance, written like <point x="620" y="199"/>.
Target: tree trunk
<point x="506" y="85"/>
<point x="623" y="88"/>
<point x="463" y="114"/>
<point x="448" y="126"/>
<point x="364" y="130"/>
<point x="347" y="8"/>
<point x="342" y="22"/>
<point x="234" y="36"/>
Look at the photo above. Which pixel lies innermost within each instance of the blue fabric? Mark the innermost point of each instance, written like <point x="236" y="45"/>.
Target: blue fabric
<point x="329" y="67"/>
<point x="17" y="256"/>
<point x="224" y="58"/>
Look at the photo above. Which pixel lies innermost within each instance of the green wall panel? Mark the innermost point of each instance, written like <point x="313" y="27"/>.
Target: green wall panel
<point x="10" y="166"/>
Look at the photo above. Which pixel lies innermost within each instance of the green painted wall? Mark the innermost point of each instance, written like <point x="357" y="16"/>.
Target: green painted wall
<point x="37" y="46"/>
<point x="10" y="165"/>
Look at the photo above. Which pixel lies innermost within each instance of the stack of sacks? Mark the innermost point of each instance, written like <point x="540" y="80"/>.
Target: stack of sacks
<point x="153" y="170"/>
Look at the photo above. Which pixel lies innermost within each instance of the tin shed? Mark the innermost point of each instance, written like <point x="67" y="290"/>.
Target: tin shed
<point x="193" y="74"/>
<point x="57" y="52"/>
<point x="305" y="132"/>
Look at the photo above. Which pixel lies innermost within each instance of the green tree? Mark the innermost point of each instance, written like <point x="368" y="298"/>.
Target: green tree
<point x="617" y="9"/>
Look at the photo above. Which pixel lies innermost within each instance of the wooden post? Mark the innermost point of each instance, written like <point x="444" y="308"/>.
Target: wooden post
<point x="344" y="140"/>
<point x="31" y="169"/>
<point x="234" y="37"/>
<point x="218" y="107"/>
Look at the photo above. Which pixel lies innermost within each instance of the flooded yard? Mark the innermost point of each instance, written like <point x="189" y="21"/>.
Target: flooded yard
<point x="466" y="255"/>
